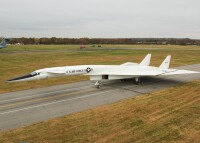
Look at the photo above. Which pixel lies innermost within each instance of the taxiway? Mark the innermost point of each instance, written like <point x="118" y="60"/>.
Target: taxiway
<point x="23" y="108"/>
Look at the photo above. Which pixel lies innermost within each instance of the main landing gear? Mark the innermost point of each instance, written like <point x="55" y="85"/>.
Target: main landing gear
<point x="138" y="81"/>
<point x="98" y="84"/>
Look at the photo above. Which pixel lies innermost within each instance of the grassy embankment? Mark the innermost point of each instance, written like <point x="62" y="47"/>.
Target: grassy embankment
<point x="170" y="115"/>
<point x="17" y="64"/>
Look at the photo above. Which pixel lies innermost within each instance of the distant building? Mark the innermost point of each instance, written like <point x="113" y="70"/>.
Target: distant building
<point x="17" y="44"/>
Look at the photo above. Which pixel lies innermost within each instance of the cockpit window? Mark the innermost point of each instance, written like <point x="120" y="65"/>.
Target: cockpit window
<point x="33" y="73"/>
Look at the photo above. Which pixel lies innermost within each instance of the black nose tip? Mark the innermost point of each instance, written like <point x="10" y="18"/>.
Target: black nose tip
<point x="20" y="78"/>
<point x="10" y="80"/>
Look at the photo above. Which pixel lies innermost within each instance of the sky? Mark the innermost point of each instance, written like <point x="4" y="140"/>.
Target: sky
<point x="100" y="18"/>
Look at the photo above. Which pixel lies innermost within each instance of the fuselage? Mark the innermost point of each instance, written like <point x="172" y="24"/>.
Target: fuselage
<point x="91" y="70"/>
<point x="106" y="72"/>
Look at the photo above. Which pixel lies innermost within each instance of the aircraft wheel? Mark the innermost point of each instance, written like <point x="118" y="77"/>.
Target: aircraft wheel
<point x="98" y="84"/>
<point x="138" y="81"/>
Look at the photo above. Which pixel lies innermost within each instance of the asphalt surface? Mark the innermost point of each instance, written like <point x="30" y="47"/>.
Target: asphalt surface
<point x="89" y="50"/>
<point x="23" y="108"/>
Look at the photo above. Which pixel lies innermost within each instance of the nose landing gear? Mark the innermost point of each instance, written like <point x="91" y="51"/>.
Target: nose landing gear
<point x="98" y="84"/>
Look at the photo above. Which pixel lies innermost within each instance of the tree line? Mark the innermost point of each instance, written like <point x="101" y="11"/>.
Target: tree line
<point x="92" y="41"/>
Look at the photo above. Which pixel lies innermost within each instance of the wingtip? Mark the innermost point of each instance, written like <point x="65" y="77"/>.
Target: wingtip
<point x="196" y="72"/>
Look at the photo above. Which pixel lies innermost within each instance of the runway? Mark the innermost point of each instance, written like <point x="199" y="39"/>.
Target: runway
<point x="23" y="108"/>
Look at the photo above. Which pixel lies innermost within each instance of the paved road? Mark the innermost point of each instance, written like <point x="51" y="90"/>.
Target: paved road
<point x="91" y="50"/>
<point x="30" y="106"/>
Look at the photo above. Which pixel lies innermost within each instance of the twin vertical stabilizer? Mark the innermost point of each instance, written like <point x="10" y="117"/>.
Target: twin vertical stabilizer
<point x="146" y="60"/>
<point x="165" y="63"/>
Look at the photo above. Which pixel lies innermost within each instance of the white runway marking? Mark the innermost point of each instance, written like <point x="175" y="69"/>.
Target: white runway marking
<point x="14" y="99"/>
<point x="31" y="107"/>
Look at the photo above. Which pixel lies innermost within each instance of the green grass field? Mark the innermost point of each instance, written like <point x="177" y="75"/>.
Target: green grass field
<point x="16" y="64"/>
<point x="170" y="115"/>
<point x="76" y="47"/>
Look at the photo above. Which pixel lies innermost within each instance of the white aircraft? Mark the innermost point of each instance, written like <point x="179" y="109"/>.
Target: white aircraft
<point x="107" y="72"/>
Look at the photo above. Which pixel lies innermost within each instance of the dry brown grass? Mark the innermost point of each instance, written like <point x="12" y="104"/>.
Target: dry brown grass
<point x="170" y="115"/>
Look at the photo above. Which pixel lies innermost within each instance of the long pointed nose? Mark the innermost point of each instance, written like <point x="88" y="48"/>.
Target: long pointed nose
<point x="20" y="78"/>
